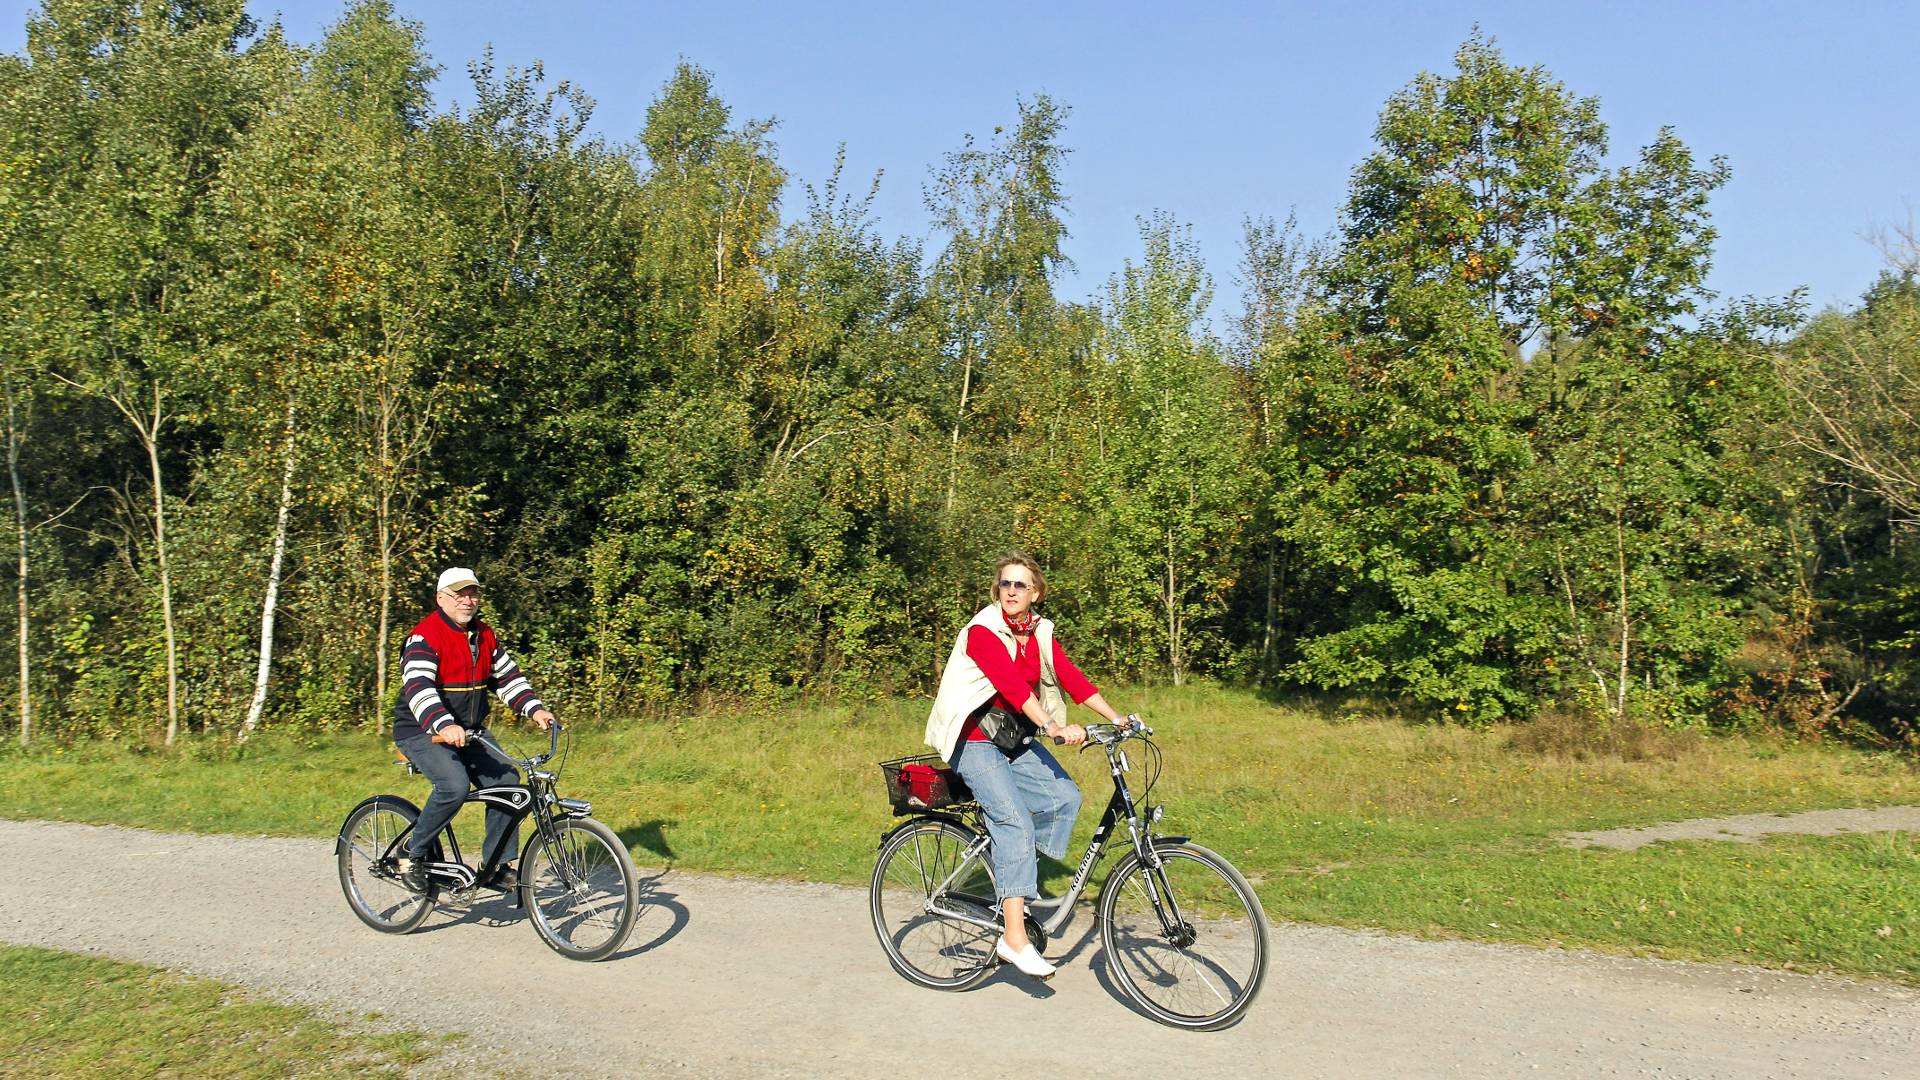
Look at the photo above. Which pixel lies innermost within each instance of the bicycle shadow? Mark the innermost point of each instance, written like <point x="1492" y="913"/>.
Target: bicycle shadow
<point x="650" y="835"/>
<point x="497" y="910"/>
<point x="493" y="910"/>
<point x="1101" y="965"/>
<point x="651" y="897"/>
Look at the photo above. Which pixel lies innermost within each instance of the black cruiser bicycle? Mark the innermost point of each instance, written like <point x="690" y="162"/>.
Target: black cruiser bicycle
<point x="1183" y="932"/>
<point x="577" y="881"/>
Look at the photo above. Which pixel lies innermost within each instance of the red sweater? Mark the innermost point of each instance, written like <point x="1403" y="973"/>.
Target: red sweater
<point x="1014" y="678"/>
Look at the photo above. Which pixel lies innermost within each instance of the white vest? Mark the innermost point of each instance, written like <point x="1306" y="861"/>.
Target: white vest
<point x="964" y="687"/>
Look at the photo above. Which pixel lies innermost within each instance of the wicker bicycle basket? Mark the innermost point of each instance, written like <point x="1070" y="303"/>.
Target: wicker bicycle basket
<point x="915" y="784"/>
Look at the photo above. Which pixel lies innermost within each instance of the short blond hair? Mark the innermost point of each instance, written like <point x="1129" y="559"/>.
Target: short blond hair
<point x="1020" y="558"/>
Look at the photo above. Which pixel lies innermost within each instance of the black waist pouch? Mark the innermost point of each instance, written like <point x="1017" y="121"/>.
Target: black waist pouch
<point x="1011" y="732"/>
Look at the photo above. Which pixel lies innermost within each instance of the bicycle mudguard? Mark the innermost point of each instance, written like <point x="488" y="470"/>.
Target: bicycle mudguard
<point x="917" y="818"/>
<point x="396" y="801"/>
<point x="340" y="834"/>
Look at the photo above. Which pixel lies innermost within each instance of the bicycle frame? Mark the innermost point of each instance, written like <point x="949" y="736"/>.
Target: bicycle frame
<point x="1120" y="807"/>
<point x="535" y="799"/>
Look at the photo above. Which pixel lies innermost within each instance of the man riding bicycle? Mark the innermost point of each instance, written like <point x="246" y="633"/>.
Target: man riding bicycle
<point x="450" y="661"/>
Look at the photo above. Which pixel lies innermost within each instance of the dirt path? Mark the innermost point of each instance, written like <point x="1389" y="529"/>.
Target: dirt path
<point x="734" y="978"/>
<point x="1748" y="828"/>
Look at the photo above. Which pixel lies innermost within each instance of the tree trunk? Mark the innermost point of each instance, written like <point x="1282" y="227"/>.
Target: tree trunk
<point x="1174" y="657"/>
<point x="386" y="603"/>
<point x="1626" y="624"/>
<point x="152" y="439"/>
<point x="20" y="523"/>
<point x="1270" y="622"/>
<point x="953" y="457"/>
<point x="270" y="606"/>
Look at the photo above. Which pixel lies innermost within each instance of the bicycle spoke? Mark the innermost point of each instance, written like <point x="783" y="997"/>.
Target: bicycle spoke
<point x="372" y="890"/>
<point x="579" y="891"/>
<point x="927" y="946"/>
<point x="1185" y="941"/>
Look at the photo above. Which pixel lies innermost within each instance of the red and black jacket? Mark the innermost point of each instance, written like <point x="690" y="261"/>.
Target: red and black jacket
<point x="445" y="673"/>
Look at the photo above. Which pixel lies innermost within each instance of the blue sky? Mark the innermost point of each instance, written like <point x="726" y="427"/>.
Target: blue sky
<point x="1217" y="111"/>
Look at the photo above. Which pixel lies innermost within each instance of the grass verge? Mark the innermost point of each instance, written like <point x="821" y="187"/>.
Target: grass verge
<point x="1351" y="821"/>
<point x="63" y="1015"/>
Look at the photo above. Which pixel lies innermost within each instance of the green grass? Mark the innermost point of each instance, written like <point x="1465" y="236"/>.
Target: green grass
<point x="74" y="1016"/>
<point x="1359" y="822"/>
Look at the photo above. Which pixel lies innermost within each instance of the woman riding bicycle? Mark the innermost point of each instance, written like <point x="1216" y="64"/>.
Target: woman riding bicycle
<point x="1007" y="664"/>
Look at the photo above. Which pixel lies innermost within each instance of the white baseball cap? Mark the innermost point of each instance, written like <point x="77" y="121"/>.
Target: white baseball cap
<point x="457" y="577"/>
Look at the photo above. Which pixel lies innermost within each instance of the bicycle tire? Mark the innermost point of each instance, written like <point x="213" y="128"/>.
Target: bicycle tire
<point x="579" y="889"/>
<point x="365" y="854"/>
<point x="1206" y="972"/>
<point x="927" y="949"/>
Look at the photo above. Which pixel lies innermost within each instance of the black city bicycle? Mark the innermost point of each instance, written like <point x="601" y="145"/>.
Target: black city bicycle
<point x="577" y="881"/>
<point x="1183" y="932"/>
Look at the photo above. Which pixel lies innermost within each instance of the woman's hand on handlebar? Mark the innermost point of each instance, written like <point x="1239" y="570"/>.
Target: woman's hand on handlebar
<point x="1070" y="734"/>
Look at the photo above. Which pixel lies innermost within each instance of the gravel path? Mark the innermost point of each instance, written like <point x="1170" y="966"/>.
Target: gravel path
<point x="1748" y="828"/>
<point x="736" y="978"/>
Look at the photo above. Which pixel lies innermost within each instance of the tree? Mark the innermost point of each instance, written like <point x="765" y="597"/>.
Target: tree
<point x="1854" y="380"/>
<point x="22" y="258"/>
<point x="141" y="102"/>
<point x="1174" y="473"/>
<point x="1482" y="227"/>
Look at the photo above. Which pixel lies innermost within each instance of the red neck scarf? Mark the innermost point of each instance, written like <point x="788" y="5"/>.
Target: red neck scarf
<point x="1022" y="626"/>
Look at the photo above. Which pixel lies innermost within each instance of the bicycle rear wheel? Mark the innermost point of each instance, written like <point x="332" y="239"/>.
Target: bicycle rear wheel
<point x="579" y="888"/>
<point x="933" y="948"/>
<point x="367" y="852"/>
<point x="1187" y="941"/>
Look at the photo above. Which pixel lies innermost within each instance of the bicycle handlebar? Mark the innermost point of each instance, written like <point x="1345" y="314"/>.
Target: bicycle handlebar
<point x="553" y="743"/>
<point x="1129" y="727"/>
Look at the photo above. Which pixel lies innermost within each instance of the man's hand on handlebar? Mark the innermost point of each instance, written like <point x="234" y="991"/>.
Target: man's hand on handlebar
<point x="543" y="717"/>
<point x="452" y="735"/>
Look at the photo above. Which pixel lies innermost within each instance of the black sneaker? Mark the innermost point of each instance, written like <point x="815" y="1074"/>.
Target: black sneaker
<point x="415" y="875"/>
<point x="503" y="879"/>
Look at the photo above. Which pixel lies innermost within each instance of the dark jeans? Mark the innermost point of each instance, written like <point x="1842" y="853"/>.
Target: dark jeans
<point x="450" y="769"/>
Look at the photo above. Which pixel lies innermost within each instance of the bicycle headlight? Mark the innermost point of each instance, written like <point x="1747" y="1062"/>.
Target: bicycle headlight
<point x="1154" y="815"/>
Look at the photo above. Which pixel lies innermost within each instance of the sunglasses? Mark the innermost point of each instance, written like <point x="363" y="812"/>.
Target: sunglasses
<point x="1005" y="584"/>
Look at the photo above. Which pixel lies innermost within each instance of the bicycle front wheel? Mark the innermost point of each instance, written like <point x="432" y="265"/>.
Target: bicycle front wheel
<point x="579" y="888"/>
<point x="368" y="852"/>
<point x="930" y="934"/>
<point x="1186" y="941"/>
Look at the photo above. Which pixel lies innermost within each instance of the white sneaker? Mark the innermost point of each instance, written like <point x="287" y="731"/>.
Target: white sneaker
<point x="1028" y="959"/>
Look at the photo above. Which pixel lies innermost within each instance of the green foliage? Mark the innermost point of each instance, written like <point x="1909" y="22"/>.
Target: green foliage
<point x="1510" y="456"/>
<point x="1170" y="478"/>
<point x="703" y="430"/>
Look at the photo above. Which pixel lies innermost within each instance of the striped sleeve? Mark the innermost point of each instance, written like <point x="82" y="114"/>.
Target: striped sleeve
<point x="419" y="684"/>
<point x="511" y="683"/>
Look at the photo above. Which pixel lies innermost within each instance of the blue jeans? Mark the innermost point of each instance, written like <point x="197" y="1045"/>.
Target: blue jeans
<point x="451" y="769"/>
<point x="1029" y="802"/>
